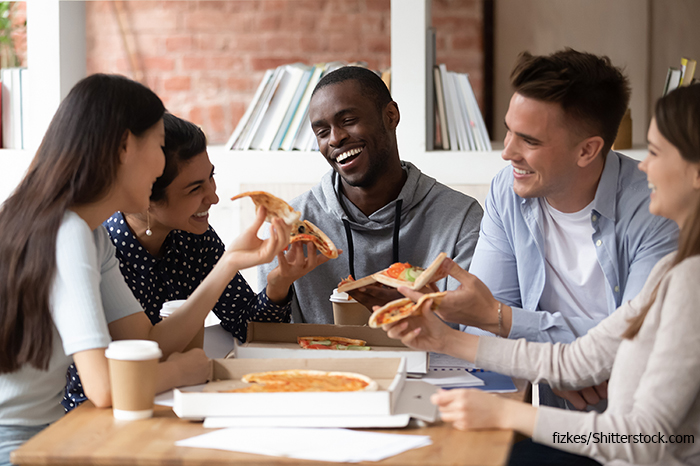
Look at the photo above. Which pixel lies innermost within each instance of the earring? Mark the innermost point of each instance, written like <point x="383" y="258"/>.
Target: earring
<point x="148" y="223"/>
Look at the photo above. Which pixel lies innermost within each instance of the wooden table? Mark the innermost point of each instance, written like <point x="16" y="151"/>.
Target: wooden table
<point x="91" y="436"/>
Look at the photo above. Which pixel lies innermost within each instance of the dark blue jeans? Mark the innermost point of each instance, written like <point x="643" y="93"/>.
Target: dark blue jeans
<point x="528" y="453"/>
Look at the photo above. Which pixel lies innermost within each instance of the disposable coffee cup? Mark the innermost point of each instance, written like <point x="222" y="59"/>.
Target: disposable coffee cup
<point x="168" y="308"/>
<point x="347" y="311"/>
<point x="132" y="373"/>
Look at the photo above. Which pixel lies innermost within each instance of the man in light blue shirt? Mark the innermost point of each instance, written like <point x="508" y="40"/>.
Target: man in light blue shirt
<point x="566" y="236"/>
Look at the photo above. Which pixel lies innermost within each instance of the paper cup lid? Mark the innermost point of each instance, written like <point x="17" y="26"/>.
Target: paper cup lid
<point x="341" y="297"/>
<point x="170" y="306"/>
<point x="133" y="350"/>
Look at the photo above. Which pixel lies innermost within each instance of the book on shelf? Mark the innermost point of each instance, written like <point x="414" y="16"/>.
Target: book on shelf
<point x="458" y="120"/>
<point x="278" y="116"/>
<point x="687" y="71"/>
<point x="12" y="111"/>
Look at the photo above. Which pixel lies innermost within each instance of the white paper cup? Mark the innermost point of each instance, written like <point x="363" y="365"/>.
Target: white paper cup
<point x="168" y="308"/>
<point x="132" y="373"/>
<point x="347" y="311"/>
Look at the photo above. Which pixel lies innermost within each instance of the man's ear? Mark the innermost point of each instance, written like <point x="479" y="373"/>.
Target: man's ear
<point x="391" y="115"/>
<point x="589" y="149"/>
<point x="124" y="146"/>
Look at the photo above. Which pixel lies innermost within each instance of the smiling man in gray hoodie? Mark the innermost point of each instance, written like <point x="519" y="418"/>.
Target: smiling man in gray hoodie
<point x="375" y="207"/>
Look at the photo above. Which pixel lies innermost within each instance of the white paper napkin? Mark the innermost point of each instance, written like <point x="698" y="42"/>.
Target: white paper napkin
<point x="339" y="445"/>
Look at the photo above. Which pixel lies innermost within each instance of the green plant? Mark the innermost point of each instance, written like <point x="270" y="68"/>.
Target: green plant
<point x="8" y="58"/>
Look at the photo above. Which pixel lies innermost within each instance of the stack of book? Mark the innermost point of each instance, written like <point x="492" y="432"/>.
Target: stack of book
<point x="278" y="116"/>
<point x="12" y="115"/>
<point x="682" y="76"/>
<point x="459" y="125"/>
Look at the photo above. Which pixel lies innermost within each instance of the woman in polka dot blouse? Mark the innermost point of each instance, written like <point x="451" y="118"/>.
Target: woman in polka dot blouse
<point x="182" y="248"/>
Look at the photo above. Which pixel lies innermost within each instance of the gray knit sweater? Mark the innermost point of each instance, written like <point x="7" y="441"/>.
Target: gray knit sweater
<point x="654" y="378"/>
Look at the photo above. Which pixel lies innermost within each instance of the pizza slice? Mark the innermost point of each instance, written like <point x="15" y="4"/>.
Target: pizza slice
<point x="332" y="343"/>
<point x="307" y="231"/>
<point x="302" y="230"/>
<point x="402" y="308"/>
<point x="415" y="278"/>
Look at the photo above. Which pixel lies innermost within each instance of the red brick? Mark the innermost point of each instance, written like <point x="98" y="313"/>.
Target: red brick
<point x="313" y="44"/>
<point x="179" y="43"/>
<point x="241" y="83"/>
<point x="274" y="5"/>
<point x="216" y="118"/>
<point x="466" y="41"/>
<point x="208" y="21"/>
<point x="194" y="62"/>
<point x="196" y="115"/>
<point x="269" y="22"/>
<point x="378" y="5"/>
<point x="143" y="17"/>
<point x="247" y="43"/>
<point x="341" y="43"/>
<point x="177" y="83"/>
<point x="379" y="44"/>
<point x="282" y="44"/>
<point x="158" y="63"/>
<point x="217" y="42"/>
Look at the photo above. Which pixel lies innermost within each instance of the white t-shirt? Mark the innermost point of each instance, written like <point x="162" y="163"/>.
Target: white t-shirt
<point x="88" y="293"/>
<point x="575" y="283"/>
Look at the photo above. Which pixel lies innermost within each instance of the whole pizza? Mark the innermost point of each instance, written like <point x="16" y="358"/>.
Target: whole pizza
<point x="299" y="380"/>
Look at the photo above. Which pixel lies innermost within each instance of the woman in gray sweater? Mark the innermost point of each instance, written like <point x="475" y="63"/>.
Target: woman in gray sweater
<point x="649" y="348"/>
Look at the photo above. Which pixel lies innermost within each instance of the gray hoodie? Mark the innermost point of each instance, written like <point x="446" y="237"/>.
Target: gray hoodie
<point x="432" y="219"/>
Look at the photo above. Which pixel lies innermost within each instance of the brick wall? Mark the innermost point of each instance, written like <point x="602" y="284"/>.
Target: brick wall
<point x="205" y="58"/>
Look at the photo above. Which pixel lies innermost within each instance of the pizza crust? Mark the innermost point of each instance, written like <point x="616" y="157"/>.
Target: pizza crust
<point x="355" y="284"/>
<point x="275" y="206"/>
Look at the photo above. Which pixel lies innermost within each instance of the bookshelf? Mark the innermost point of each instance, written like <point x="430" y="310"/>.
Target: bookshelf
<point x="56" y="60"/>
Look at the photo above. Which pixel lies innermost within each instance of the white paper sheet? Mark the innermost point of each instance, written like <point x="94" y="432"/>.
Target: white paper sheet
<point x="337" y="445"/>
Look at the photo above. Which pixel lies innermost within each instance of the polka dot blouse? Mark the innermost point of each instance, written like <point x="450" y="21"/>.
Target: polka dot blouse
<point x="187" y="259"/>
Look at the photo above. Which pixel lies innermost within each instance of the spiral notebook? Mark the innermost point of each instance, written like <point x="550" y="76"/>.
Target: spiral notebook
<point x="449" y="372"/>
<point x="450" y="377"/>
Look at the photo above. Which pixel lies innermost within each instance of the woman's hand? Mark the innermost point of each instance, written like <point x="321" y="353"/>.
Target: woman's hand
<point x="292" y="265"/>
<point x="192" y="367"/>
<point x="248" y="250"/>
<point x="423" y="331"/>
<point x="473" y="409"/>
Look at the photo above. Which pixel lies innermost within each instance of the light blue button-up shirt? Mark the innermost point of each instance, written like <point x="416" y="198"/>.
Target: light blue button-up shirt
<point x="509" y="256"/>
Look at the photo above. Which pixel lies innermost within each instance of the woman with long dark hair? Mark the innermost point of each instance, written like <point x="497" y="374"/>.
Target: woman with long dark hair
<point x="62" y="298"/>
<point x="649" y="348"/>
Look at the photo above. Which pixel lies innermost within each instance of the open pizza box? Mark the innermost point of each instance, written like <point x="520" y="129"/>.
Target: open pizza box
<point x="277" y="340"/>
<point x="394" y="402"/>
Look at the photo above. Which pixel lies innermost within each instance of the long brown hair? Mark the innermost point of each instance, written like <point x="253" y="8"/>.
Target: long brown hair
<point x="75" y="164"/>
<point x="678" y="119"/>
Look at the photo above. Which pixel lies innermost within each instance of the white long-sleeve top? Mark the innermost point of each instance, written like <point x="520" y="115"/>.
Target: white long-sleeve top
<point x="654" y="379"/>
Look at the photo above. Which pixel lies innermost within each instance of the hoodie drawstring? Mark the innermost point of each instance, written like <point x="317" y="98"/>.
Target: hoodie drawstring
<point x="397" y="227"/>
<point x="351" y="253"/>
<point x="395" y="242"/>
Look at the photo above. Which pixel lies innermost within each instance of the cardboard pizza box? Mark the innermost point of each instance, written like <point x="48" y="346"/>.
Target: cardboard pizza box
<point x="277" y="340"/>
<point x="389" y="373"/>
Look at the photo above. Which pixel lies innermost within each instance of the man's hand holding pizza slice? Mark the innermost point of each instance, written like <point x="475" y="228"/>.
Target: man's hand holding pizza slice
<point x="293" y="264"/>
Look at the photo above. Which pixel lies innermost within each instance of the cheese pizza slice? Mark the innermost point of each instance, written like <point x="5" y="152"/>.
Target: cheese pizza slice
<point x="332" y="343"/>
